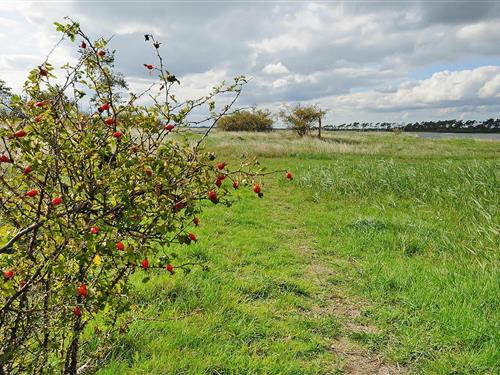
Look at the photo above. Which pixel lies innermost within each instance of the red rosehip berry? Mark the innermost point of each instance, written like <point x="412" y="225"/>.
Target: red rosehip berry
<point x="218" y="183"/>
<point x="94" y="230"/>
<point x="56" y="201"/>
<point x="170" y="268"/>
<point x="4" y="159"/>
<point x="37" y="119"/>
<point x="169" y="127"/>
<point x="145" y="263"/>
<point x="103" y="107"/>
<point x="9" y="274"/>
<point x="82" y="290"/>
<point x="101" y="53"/>
<point x="109" y="121"/>
<point x="20" y="134"/>
<point x="289" y="175"/>
<point x="39" y="104"/>
<point x="235" y="184"/>
<point x="179" y="205"/>
<point x="77" y="312"/>
<point x="44" y="72"/>
<point x="149" y="172"/>
<point x="117" y="134"/>
<point x="27" y="170"/>
<point x="83" y="45"/>
<point x="256" y="189"/>
<point x="120" y="246"/>
<point x="149" y="66"/>
<point x="221" y="166"/>
<point x="212" y="195"/>
<point x="196" y="221"/>
<point x="192" y="237"/>
<point x="32" y="193"/>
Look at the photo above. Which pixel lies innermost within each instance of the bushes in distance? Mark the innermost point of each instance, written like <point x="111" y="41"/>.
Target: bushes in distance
<point x="255" y="120"/>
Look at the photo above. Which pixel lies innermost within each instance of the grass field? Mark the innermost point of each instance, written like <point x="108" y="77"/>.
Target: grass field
<point x="381" y="255"/>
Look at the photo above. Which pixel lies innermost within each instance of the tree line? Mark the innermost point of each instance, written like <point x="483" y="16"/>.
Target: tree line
<point x="446" y="126"/>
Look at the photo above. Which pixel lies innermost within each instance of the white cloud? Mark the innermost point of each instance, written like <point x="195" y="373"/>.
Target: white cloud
<point x="26" y="39"/>
<point x="491" y="89"/>
<point x="275" y="69"/>
<point x="138" y="27"/>
<point x="487" y="30"/>
<point x="443" y="89"/>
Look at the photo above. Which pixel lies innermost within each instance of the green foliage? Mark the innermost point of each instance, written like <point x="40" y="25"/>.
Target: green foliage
<point x="72" y="30"/>
<point x="256" y="120"/>
<point x="74" y="185"/>
<point x="301" y="118"/>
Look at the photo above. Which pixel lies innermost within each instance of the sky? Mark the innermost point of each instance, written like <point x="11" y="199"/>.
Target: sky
<point x="396" y="61"/>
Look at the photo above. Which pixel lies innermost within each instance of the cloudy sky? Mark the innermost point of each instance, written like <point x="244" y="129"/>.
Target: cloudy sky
<point x="363" y="61"/>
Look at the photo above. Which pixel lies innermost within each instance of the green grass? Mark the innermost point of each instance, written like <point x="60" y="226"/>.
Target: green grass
<point x="407" y="227"/>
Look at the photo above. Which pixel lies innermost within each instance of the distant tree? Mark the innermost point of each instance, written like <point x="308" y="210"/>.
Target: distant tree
<point x="301" y="118"/>
<point x="4" y="90"/>
<point x="5" y="93"/>
<point x="321" y="114"/>
<point x="255" y="120"/>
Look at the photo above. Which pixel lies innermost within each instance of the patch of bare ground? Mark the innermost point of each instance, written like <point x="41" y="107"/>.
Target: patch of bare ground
<point x="333" y="300"/>
<point x="357" y="360"/>
<point x="348" y="309"/>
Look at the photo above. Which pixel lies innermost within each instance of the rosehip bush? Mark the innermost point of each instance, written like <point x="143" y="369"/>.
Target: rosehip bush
<point x="94" y="187"/>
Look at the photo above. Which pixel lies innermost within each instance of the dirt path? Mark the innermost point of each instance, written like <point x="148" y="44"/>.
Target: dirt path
<point x="332" y="299"/>
<point x="348" y="309"/>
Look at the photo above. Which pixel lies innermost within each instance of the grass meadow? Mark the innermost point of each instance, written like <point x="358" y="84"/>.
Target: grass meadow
<point x="382" y="256"/>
